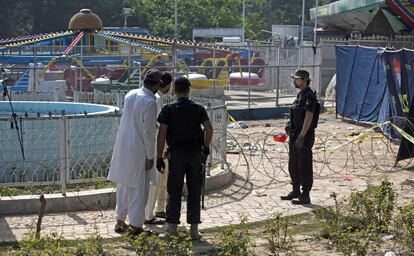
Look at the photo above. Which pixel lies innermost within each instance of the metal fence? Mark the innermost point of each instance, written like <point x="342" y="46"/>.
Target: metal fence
<point x="276" y="87"/>
<point x="113" y="99"/>
<point x="58" y="150"/>
<point x="246" y="76"/>
<point x="32" y="96"/>
<point x="77" y="149"/>
<point x="66" y="150"/>
<point x="216" y="110"/>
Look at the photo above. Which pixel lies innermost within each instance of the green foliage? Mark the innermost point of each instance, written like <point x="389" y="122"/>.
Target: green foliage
<point x="405" y="226"/>
<point x="150" y="245"/>
<point x="9" y="191"/>
<point x="99" y="183"/>
<point x="286" y="12"/>
<point x="146" y="245"/>
<point x="92" y="245"/>
<point x="27" y="190"/>
<point x="50" y="189"/>
<point x="179" y="245"/>
<point x="33" y="16"/>
<point x="32" y="245"/>
<point x="375" y="206"/>
<point x="235" y="241"/>
<point x="103" y="184"/>
<point x="54" y="244"/>
<point x="350" y="242"/>
<point x="369" y="217"/>
<point x="345" y="232"/>
<point x="330" y="218"/>
<point x="278" y="234"/>
<point x="190" y="14"/>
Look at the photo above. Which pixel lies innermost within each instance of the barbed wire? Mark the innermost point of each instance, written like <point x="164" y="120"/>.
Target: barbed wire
<point x="342" y="154"/>
<point x="363" y="152"/>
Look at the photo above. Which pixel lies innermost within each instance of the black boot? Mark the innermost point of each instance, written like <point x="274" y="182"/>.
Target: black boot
<point x="292" y="195"/>
<point x="304" y="198"/>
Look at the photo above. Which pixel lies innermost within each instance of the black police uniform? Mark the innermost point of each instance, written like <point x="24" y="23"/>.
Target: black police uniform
<point x="300" y="159"/>
<point x="184" y="139"/>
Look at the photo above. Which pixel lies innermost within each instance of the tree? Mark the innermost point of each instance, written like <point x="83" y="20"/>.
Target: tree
<point x="40" y="16"/>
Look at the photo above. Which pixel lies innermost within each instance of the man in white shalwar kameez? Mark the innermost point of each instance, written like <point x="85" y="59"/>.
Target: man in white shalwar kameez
<point x="132" y="164"/>
<point x="158" y="193"/>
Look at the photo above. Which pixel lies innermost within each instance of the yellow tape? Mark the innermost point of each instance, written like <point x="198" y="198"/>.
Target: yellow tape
<point x="364" y="136"/>
<point x="359" y="138"/>
<point x="231" y="119"/>
<point x="403" y="133"/>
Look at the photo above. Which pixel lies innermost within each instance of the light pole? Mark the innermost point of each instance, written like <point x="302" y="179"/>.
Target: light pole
<point x="316" y="22"/>
<point x="301" y="33"/>
<point x="174" y="47"/>
<point x="126" y="12"/>
<point x="303" y="22"/>
<point x="175" y="19"/>
<point x="244" y="16"/>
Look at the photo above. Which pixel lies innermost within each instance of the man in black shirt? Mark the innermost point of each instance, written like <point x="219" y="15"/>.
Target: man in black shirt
<point x="304" y="116"/>
<point x="188" y="145"/>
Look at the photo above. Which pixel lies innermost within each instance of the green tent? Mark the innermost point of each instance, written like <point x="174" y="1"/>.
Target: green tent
<point x="369" y="17"/>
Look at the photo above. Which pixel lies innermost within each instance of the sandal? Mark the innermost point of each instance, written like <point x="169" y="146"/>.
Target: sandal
<point x="161" y="215"/>
<point x="121" y="228"/>
<point x="154" y="221"/>
<point x="134" y="232"/>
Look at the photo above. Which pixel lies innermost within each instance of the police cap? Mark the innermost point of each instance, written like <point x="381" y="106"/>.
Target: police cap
<point x="301" y="74"/>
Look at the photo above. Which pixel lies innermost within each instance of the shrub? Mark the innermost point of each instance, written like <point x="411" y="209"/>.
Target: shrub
<point x="345" y="232"/>
<point x="405" y="226"/>
<point x="278" y="234"/>
<point x="150" y="245"/>
<point x="374" y="206"/>
<point x="34" y="245"/>
<point x="235" y="241"/>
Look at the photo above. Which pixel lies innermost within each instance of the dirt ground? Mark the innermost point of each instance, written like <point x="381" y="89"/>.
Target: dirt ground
<point x="347" y="157"/>
<point x="343" y="153"/>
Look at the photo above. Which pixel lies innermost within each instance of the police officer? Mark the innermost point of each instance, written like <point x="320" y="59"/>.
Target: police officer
<point x="180" y="124"/>
<point x="301" y="129"/>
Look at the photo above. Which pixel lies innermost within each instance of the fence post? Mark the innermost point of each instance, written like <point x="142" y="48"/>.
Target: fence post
<point x="119" y="101"/>
<point x="248" y="80"/>
<point x="75" y="96"/>
<point x="277" y="85"/>
<point x="64" y="153"/>
<point x="224" y="139"/>
<point x="277" y="77"/>
<point x="320" y="72"/>
<point x="210" y="157"/>
<point x="214" y="70"/>
<point x="56" y="94"/>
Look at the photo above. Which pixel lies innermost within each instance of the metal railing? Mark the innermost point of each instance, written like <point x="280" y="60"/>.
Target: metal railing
<point x="58" y="150"/>
<point x="113" y="99"/>
<point x="260" y="78"/>
<point x="64" y="150"/>
<point x="216" y="110"/>
<point x="32" y="96"/>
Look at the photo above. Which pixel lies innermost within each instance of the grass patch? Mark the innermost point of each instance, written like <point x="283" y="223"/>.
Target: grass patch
<point x="54" y="189"/>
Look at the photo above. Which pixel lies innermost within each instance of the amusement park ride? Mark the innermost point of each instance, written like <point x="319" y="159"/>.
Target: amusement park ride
<point x="90" y="58"/>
